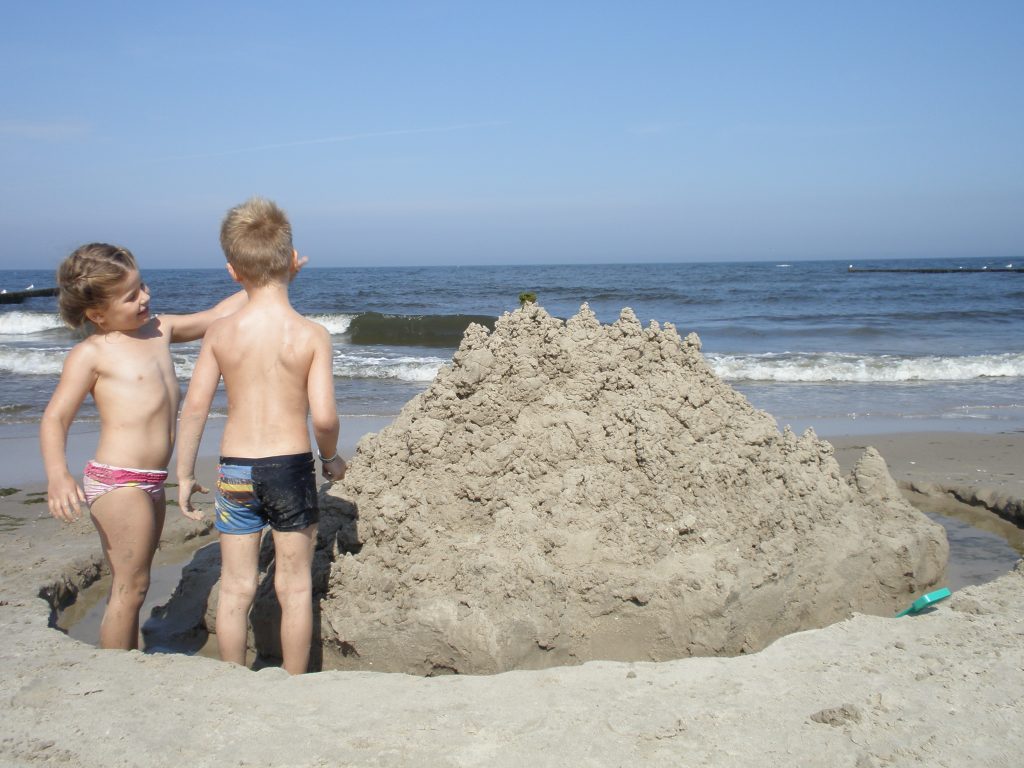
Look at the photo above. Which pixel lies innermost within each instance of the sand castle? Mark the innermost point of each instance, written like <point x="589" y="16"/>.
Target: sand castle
<point x="567" y="491"/>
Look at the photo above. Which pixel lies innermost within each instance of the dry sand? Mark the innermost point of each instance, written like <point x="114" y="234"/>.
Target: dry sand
<point x="942" y="688"/>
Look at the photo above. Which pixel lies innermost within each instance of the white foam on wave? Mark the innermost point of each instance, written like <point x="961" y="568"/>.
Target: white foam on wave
<point x="32" y="362"/>
<point x="403" y="368"/>
<point x="335" y="324"/>
<point x="27" y="323"/>
<point x="835" y="367"/>
<point x="184" y="364"/>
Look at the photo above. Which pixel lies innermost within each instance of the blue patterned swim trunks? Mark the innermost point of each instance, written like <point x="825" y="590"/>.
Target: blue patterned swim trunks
<point x="279" y="491"/>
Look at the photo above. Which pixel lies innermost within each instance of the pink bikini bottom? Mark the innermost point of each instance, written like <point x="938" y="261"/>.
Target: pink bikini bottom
<point x="101" y="478"/>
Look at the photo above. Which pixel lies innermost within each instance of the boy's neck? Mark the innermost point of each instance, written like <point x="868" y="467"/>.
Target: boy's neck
<point x="271" y="293"/>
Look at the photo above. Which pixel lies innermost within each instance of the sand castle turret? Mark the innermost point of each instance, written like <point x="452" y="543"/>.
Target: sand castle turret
<point x="567" y="491"/>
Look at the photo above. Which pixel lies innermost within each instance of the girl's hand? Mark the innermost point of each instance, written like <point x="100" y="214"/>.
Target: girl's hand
<point x="335" y="470"/>
<point x="65" y="498"/>
<point x="186" y="487"/>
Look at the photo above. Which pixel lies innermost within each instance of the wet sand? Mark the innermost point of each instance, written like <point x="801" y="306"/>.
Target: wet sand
<point x="971" y="483"/>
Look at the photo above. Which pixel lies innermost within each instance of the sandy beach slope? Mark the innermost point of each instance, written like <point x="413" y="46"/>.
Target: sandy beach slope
<point x="941" y="688"/>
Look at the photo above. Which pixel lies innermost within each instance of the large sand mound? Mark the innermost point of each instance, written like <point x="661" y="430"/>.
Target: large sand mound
<point x="567" y="491"/>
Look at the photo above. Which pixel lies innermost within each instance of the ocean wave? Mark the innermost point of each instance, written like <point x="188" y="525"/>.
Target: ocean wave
<point x="184" y="364"/>
<point x="27" y="323"/>
<point x="374" y="328"/>
<point x="836" y="367"/>
<point x="403" y="368"/>
<point x="50" y="362"/>
<point x="336" y="325"/>
<point x="32" y="362"/>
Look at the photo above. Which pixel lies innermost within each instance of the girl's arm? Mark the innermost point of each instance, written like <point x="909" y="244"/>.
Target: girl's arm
<point x="194" y="413"/>
<point x="64" y="495"/>
<point x="193" y="326"/>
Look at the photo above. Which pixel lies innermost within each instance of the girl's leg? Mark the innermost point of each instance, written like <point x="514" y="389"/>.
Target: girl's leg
<point x="238" y="578"/>
<point x="293" y="561"/>
<point x="129" y="524"/>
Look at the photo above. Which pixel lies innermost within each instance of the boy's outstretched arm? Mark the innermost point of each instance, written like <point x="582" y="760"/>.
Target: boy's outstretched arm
<point x="323" y="409"/>
<point x="191" y="424"/>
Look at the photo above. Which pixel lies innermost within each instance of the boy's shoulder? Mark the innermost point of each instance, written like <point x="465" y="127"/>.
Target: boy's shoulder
<point x="314" y="332"/>
<point x="277" y="317"/>
<point x="286" y="313"/>
<point x="220" y="327"/>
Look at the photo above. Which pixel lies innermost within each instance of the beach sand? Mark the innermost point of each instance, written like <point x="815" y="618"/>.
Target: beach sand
<point x="942" y="688"/>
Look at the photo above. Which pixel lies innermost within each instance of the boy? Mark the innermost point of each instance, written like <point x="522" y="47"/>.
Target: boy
<point x="277" y="371"/>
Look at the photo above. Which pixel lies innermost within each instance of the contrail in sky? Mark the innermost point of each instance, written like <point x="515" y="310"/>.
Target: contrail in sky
<point x="336" y="139"/>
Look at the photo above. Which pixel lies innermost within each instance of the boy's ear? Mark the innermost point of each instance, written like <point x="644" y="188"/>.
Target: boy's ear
<point x="231" y="271"/>
<point x="296" y="265"/>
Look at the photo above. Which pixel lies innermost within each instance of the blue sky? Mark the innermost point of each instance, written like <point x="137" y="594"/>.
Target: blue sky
<point x="483" y="132"/>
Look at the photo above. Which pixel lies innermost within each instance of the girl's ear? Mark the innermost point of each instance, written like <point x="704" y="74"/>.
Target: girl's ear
<point x="95" y="316"/>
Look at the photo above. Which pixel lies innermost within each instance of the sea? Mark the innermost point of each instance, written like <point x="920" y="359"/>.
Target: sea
<point x="823" y="344"/>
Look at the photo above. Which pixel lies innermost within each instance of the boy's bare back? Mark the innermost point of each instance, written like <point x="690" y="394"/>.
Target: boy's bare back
<point x="265" y="354"/>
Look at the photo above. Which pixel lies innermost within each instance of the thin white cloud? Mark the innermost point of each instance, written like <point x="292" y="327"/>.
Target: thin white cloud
<point x="652" y="129"/>
<point x="55" y="130"/>
<point x="337" y="139"/>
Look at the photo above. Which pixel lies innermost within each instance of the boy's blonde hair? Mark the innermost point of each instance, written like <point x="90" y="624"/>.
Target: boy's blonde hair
<point x="257" y="241"/>
<point x="87" y="278"/>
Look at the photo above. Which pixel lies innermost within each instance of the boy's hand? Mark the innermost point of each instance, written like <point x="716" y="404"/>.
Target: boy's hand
<point x="335" y="470"/>
<point x="186" y="487"/>
<point x="65" y="498"/>
<point x="298" y="262"/>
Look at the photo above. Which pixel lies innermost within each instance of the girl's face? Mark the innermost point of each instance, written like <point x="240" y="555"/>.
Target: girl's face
<point x="127" y="309"/>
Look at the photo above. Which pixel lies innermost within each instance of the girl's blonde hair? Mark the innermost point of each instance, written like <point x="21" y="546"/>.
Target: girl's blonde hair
<point x="87" y="278"/>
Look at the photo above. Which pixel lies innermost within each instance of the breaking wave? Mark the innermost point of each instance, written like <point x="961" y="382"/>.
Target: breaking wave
<point x="835" y="367"/>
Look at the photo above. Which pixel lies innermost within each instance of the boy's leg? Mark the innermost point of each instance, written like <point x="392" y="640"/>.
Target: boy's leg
<point x="293" y="562"/>
<point x="129" y="524"/>
<point x="238" y="579"/>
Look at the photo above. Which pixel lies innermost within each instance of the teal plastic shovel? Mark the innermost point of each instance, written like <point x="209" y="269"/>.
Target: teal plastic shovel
<point x="924" y="601"/>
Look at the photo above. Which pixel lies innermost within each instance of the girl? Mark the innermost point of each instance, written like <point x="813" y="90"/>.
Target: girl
<point x="125" y="363"/>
